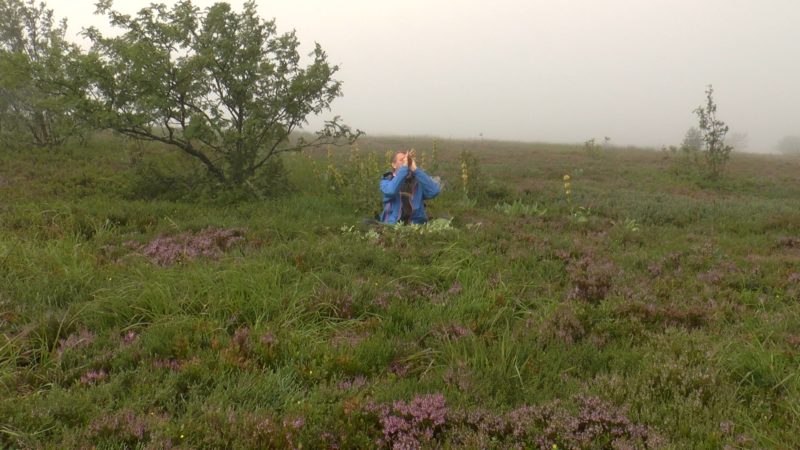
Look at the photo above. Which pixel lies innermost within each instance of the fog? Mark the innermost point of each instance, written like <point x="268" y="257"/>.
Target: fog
<point x="552" y="71"/>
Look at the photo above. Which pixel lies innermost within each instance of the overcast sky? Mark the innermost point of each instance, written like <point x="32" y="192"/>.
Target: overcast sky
<point x="546" y="70"/>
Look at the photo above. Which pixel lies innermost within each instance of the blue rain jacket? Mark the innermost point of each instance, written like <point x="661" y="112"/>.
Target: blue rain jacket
<point x="426" y="189"/>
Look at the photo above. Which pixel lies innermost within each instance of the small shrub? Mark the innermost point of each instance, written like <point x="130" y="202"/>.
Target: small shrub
<point x="713" y="131"/>
<point x="409" y="425"/>
<point x="591" y="279"/>
<point x="565" y="325"/>
<point x="671" y="315"/>
<point x="126" y="427"/>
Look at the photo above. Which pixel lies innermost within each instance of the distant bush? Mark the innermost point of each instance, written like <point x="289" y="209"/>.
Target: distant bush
<point x="692" y="140"/>
<point x="593" y="148"/>
<point x="713" y="131"/>
<point x="684" y="160"/>
<point x="789" y="145"/>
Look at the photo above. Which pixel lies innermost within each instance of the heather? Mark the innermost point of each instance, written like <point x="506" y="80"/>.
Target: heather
<point x="632" y="306"/>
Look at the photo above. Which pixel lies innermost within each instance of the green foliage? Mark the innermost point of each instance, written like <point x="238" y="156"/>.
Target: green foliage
<point x="713" y="131"/>
<point x="685" y="160"/>
<point x="222" y="86"/>
<point x="40" y="84"/>
<point x="355" y="180"/>
<point x="519" y="208"/>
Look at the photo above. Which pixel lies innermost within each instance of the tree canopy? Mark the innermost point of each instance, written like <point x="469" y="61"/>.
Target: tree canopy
<point x="220" y="85"/>
<point x="40" y="85"/>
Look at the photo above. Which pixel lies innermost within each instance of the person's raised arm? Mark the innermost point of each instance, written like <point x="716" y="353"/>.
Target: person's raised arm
<point x="430" y="188"/>
<point x="392" y="187"/>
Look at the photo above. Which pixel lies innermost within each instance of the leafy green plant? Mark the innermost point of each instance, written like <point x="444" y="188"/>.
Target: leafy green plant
<point x="631" y="225"/>
<point x="520" y="208"/>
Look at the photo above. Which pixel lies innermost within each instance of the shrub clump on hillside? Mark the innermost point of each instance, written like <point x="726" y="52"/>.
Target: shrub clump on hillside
<point x="593" y="424"/>
<point x="208" y="243"/>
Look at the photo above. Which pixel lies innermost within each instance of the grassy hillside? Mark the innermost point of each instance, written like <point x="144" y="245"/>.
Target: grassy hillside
<point x="655" y="308"/>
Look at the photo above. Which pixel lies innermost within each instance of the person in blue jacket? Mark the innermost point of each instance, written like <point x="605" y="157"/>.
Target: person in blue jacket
<point x="404" y="190"/>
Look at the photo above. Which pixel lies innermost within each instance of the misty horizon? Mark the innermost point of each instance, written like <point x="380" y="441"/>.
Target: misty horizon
<point x="544" y="72"/>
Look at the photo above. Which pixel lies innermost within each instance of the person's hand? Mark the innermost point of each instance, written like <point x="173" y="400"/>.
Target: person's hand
<point x="412" y="157"/>
<point x="403" y="158"/>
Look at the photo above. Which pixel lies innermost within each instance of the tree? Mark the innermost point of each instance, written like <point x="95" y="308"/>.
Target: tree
<point x="789" y="145"/>
<point x="39" y="86"/>
<point x="738" y="141"/>
<point x="713" y="131"/>
<point x="693" y="139"/>
<point x="221" y="86"/>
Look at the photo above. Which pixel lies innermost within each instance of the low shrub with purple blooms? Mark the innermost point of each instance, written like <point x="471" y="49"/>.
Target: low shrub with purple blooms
<point x="592" y="423"/>
<point x="591" y="278"/>
<point x="209" y="243"/>
<point x="94" y="376"/>
<point x="409" y="425"/>
<point x="129" y="427"/>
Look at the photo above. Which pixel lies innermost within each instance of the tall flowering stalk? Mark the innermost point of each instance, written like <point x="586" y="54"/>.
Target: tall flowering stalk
<point x="313" y="163"/>
<point x="434" y="157"/>
<point x="465" y="176"/>
<point x="335" y="177"/>
<point x="579" y="214"/>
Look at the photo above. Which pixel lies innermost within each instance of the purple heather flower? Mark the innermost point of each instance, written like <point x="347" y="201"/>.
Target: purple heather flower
<point x="129" y="337"/>
<point x="268" y="339"/>
<point x="406" y="424"/>
<point x="354" y="383"/>
<point x="296" y="423"/>
<point x="82" y="339"/>
<point x="172" y="364"/>
<point x="93" y="376"/>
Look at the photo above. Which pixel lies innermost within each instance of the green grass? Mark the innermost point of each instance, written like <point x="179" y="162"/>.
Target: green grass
<point x="695" y="331"/>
